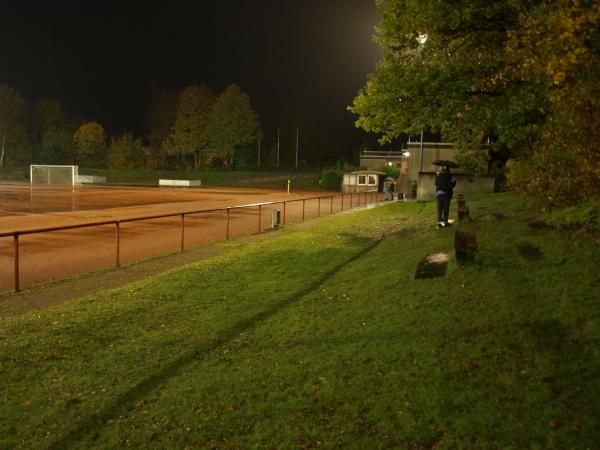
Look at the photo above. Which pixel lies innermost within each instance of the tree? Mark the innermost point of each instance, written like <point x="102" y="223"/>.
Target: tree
<point x="233" y="123"/>
<point x="443" y="69"/>
<point x="90" y="144"/>
<point x="502" y="72"/>
<point x="12" y="117"/>
<point x="56" y="131"/>
<point x="558" y="47"/>
<point x="189" y="133"/>
<point x="126" y="152"/>
<point x="159" y="122"/>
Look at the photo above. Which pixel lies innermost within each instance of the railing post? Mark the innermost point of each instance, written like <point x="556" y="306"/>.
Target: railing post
<point x="182" y="231"/>
<point x="319" y="208"/>
<point x="303" y="203"/>
<point x="342" y="202"/>
<point x="284" y="212"/>
<point x="331" y="206"/>
<point x="118" y="242"/>
<point x="17" y="285"/>
<point x="227" y="232"/>
<point x="351" y="204"/>
<point x="259" y="216"/>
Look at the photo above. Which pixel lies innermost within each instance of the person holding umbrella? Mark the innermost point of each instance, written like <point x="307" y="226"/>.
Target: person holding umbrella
<point x="444" y="187"/>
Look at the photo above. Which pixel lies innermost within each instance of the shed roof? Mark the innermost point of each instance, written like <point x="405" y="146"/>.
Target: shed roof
<point x="367" y="172"/>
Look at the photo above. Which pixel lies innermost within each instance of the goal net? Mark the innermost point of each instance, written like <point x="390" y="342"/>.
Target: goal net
<point x="47" y="174"/>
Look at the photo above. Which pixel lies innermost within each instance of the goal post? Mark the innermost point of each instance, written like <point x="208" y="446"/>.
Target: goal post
<point x="53" y="174"/>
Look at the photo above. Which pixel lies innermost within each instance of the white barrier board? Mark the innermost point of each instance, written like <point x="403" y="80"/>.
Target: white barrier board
<point x="180" y="183"/>
<point x="91" y="179"/>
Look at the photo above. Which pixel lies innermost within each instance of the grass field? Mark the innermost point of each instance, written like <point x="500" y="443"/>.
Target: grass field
<point x="321" y="337"/>
<point x="267" y="180"/>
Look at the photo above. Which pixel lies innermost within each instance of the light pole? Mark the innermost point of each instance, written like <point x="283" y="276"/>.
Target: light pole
<point x="259" y="149"/>
<point x="278" y="148"/>
<point x="297" y="149"/>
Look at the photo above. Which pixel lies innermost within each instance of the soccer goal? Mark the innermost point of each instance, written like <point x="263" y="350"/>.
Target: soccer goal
<point x="48" y="174"/>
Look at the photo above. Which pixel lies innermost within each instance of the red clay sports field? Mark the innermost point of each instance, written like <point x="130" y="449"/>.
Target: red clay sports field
<point x="48" y="255"/>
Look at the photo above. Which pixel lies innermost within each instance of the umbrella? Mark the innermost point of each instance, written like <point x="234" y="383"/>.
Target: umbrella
<point x="445" y="162"/>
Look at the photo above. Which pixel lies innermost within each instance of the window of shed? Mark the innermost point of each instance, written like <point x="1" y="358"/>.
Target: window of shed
<point x="372" y="181"/>
<point x="362" y="179"/>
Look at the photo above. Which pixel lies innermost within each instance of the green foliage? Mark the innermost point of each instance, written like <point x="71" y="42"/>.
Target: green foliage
<point x="16" y="173"/>
<point x="90" y="144"/>
<point x="584" y="216"/>
<point x="126" y="152"/>
<point x="55" y="147"/>
<point x="390" y="171"/>
<point x="558" y="47"/>
<point x="331" y="180"/>
<point x="523" y="75"/>
<point x="473" y="162"/>
<point x="233" y="123"/>
<point x="56" y="133"/>
<point x="12" y="121"/>
<point x="189" y="135"/>
<point x="453" y="82"/>
<point x="158" y="123"/>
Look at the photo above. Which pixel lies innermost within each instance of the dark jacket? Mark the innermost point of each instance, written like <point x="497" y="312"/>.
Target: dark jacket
<point x="444" y="183"/>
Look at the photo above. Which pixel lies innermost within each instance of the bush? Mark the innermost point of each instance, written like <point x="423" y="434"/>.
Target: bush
<point x="390" y="171"/>
<point x="331" y="180"/>
<point x="473" y="162"/>
<point x="126" y="152"/>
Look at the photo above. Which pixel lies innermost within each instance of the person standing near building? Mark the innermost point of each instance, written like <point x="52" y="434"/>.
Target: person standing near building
<point x="444" y="187"/>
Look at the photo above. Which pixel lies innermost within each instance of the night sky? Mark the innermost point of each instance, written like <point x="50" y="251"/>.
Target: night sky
<point x="300" y="61"/>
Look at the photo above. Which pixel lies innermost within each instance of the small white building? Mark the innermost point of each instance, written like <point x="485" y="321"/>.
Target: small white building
<point x="361" y="181"/>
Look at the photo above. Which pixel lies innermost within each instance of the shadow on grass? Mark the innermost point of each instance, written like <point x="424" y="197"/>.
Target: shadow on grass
<point x="529" y="251"/>
<point x="98" y="421"/>
<point x="571" y="376"/>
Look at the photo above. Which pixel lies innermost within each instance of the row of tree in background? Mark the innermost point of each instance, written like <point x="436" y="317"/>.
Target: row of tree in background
<point x="190" y="128"/>
<point x="197" y="125"/>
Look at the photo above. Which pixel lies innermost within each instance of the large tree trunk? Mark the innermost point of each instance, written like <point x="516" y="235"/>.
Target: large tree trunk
<point x="2" y="152"/>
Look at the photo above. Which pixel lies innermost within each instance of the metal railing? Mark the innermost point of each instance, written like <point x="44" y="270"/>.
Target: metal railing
<point x="374" y="197"/>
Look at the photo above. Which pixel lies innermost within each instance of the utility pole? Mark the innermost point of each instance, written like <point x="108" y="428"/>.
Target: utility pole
<point x="421" y="150"/>
<point x="259" y="149"/>
<point x="296" y="149"/>
<point x="277" y="148"/>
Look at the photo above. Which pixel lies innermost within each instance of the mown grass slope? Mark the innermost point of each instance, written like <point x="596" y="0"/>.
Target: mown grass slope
<point x="323" y="338"/>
